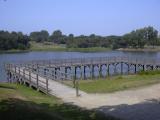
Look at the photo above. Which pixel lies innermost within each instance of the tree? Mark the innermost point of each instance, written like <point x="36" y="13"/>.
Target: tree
<point x="70" y="41"/>
<point x="141" y="37"/>
<point x="41" y="36"/>
<point x="58" y="37"/>
<point x="13" y="40"/>
<point x="152" y="36"/>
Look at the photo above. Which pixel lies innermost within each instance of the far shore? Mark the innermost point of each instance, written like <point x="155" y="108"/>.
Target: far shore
<point x="92" y="49"/>
<point x="139" y="49"/>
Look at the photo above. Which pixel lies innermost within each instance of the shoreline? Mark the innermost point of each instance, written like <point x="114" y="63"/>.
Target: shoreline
<point x="94" y="49"/>
<point x="89" y="50"/>
<point x="139" y="49"/>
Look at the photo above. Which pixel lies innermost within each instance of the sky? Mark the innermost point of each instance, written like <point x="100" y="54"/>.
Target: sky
<point x="101" y="17"/>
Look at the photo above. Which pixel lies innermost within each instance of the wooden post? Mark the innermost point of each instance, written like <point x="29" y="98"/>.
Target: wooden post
<point x="100" y="71"/>
<point x="55" y="73"/>
<point x="92" y="71"/>
<point x="143" y="67"/>
<point x="128" y="68"/>
<point x="61" y="76"/>
<point x="47" y="85"/>
<point x="37" y="79"/>
<point x="108" y="69"/>
<point x="37" y="68"/>
<point x="77" y="88"/>
<point x="136" y="66"/>
<point x="15" y="69"/>
<point x="75" y="72"/>
<point x="135" y="70"/>
<point x="81" y="77"/>
<point x="44" y="71"/>
<point x="23" y="73"/>
<point x="30" y="78"/>
<point x="115" y="69"/>
<point x="121" y="68"/>
<point x="8" y="76"/>
<point x="84" y="73"/>
<point x="19" y="70"/>
<point x="65" y="72"/>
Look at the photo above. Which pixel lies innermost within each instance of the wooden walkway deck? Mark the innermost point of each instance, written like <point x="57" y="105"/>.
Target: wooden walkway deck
<point x="48" y="76"/>
<point x="44" y="74"/>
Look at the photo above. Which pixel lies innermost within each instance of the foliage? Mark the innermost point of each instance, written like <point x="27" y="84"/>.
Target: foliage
<point x="21" y="103"/>
<point x="141" y="37"/>
<point x="117" y="83"/>
<point x="41" y="36"/>
<point x="58" y="38"/>
<point x="147" y="36"/>
<point x="13" y="40"/>
<point x="149" y="72"/>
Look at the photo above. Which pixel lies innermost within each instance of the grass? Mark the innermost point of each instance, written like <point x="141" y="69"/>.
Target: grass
<point x="118" y="83"/>
<point x="145" y="49"/>
<point x="22" y="103"/>
<point x="13" y="51"/>
<point x="91" y="49"/>
<point x="48" y="46"/>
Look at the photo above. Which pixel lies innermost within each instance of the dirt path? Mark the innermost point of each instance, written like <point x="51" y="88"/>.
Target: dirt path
<point x="129" y="97"/>
<point x="135" y="104"/>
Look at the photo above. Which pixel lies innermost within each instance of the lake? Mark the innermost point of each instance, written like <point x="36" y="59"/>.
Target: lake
<point x="15" y="57"/>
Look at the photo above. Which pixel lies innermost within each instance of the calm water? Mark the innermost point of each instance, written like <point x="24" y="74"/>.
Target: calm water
<point x="54" y="55"/>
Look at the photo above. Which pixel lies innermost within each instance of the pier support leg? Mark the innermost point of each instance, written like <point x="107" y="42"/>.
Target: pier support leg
<point x="128" y="68"/>
<point x="37" y="79"/>
<point x="81" y="77"/>
<point x="84" y="72"/>
<point x="55" y="73"/>
<point x="108" y="69"/>
<point x="75" y="72"/>
<point x="65" y="72"/>
<point x="92" y="71"/>
<point x="29" y="78"/>
<point x="115" y="69"/>
<point x="100" y="71"/>
<point x="121" y="68"/>
<point x="135" y="70"/>
<point x="47" y="85"/>
<point x="77" y="88"/>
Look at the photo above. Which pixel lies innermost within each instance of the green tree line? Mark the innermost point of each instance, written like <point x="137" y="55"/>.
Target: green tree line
<point x="13" y="40"/>
<point x="135" y="39"/>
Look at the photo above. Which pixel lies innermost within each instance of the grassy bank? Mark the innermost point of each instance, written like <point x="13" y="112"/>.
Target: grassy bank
<point x="48" y="46"/>
<point x="145" y="49"/>
<point x="22" y="103"/>
<point x="13" y="51"/>
<point x="118" y="83"/>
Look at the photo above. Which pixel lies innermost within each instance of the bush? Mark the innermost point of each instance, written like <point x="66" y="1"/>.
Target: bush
<point x="149" y="72"/>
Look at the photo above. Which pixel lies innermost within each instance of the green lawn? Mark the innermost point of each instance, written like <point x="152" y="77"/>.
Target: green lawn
<point x="49" y="46"/>
<point x="117" y="83"/>
<point x="22" y="103"/>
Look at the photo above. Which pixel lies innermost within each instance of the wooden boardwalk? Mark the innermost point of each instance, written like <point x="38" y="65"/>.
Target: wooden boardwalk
<point x="48" y="76"/>
<point x="41" y="74"/>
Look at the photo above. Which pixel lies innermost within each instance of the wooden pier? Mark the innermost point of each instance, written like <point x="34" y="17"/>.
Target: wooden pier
<point x="40" y="73"/>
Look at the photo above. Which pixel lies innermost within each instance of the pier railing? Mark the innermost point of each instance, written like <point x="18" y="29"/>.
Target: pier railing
<point x="38" y="73"/>
<point x="90" y="60"/>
